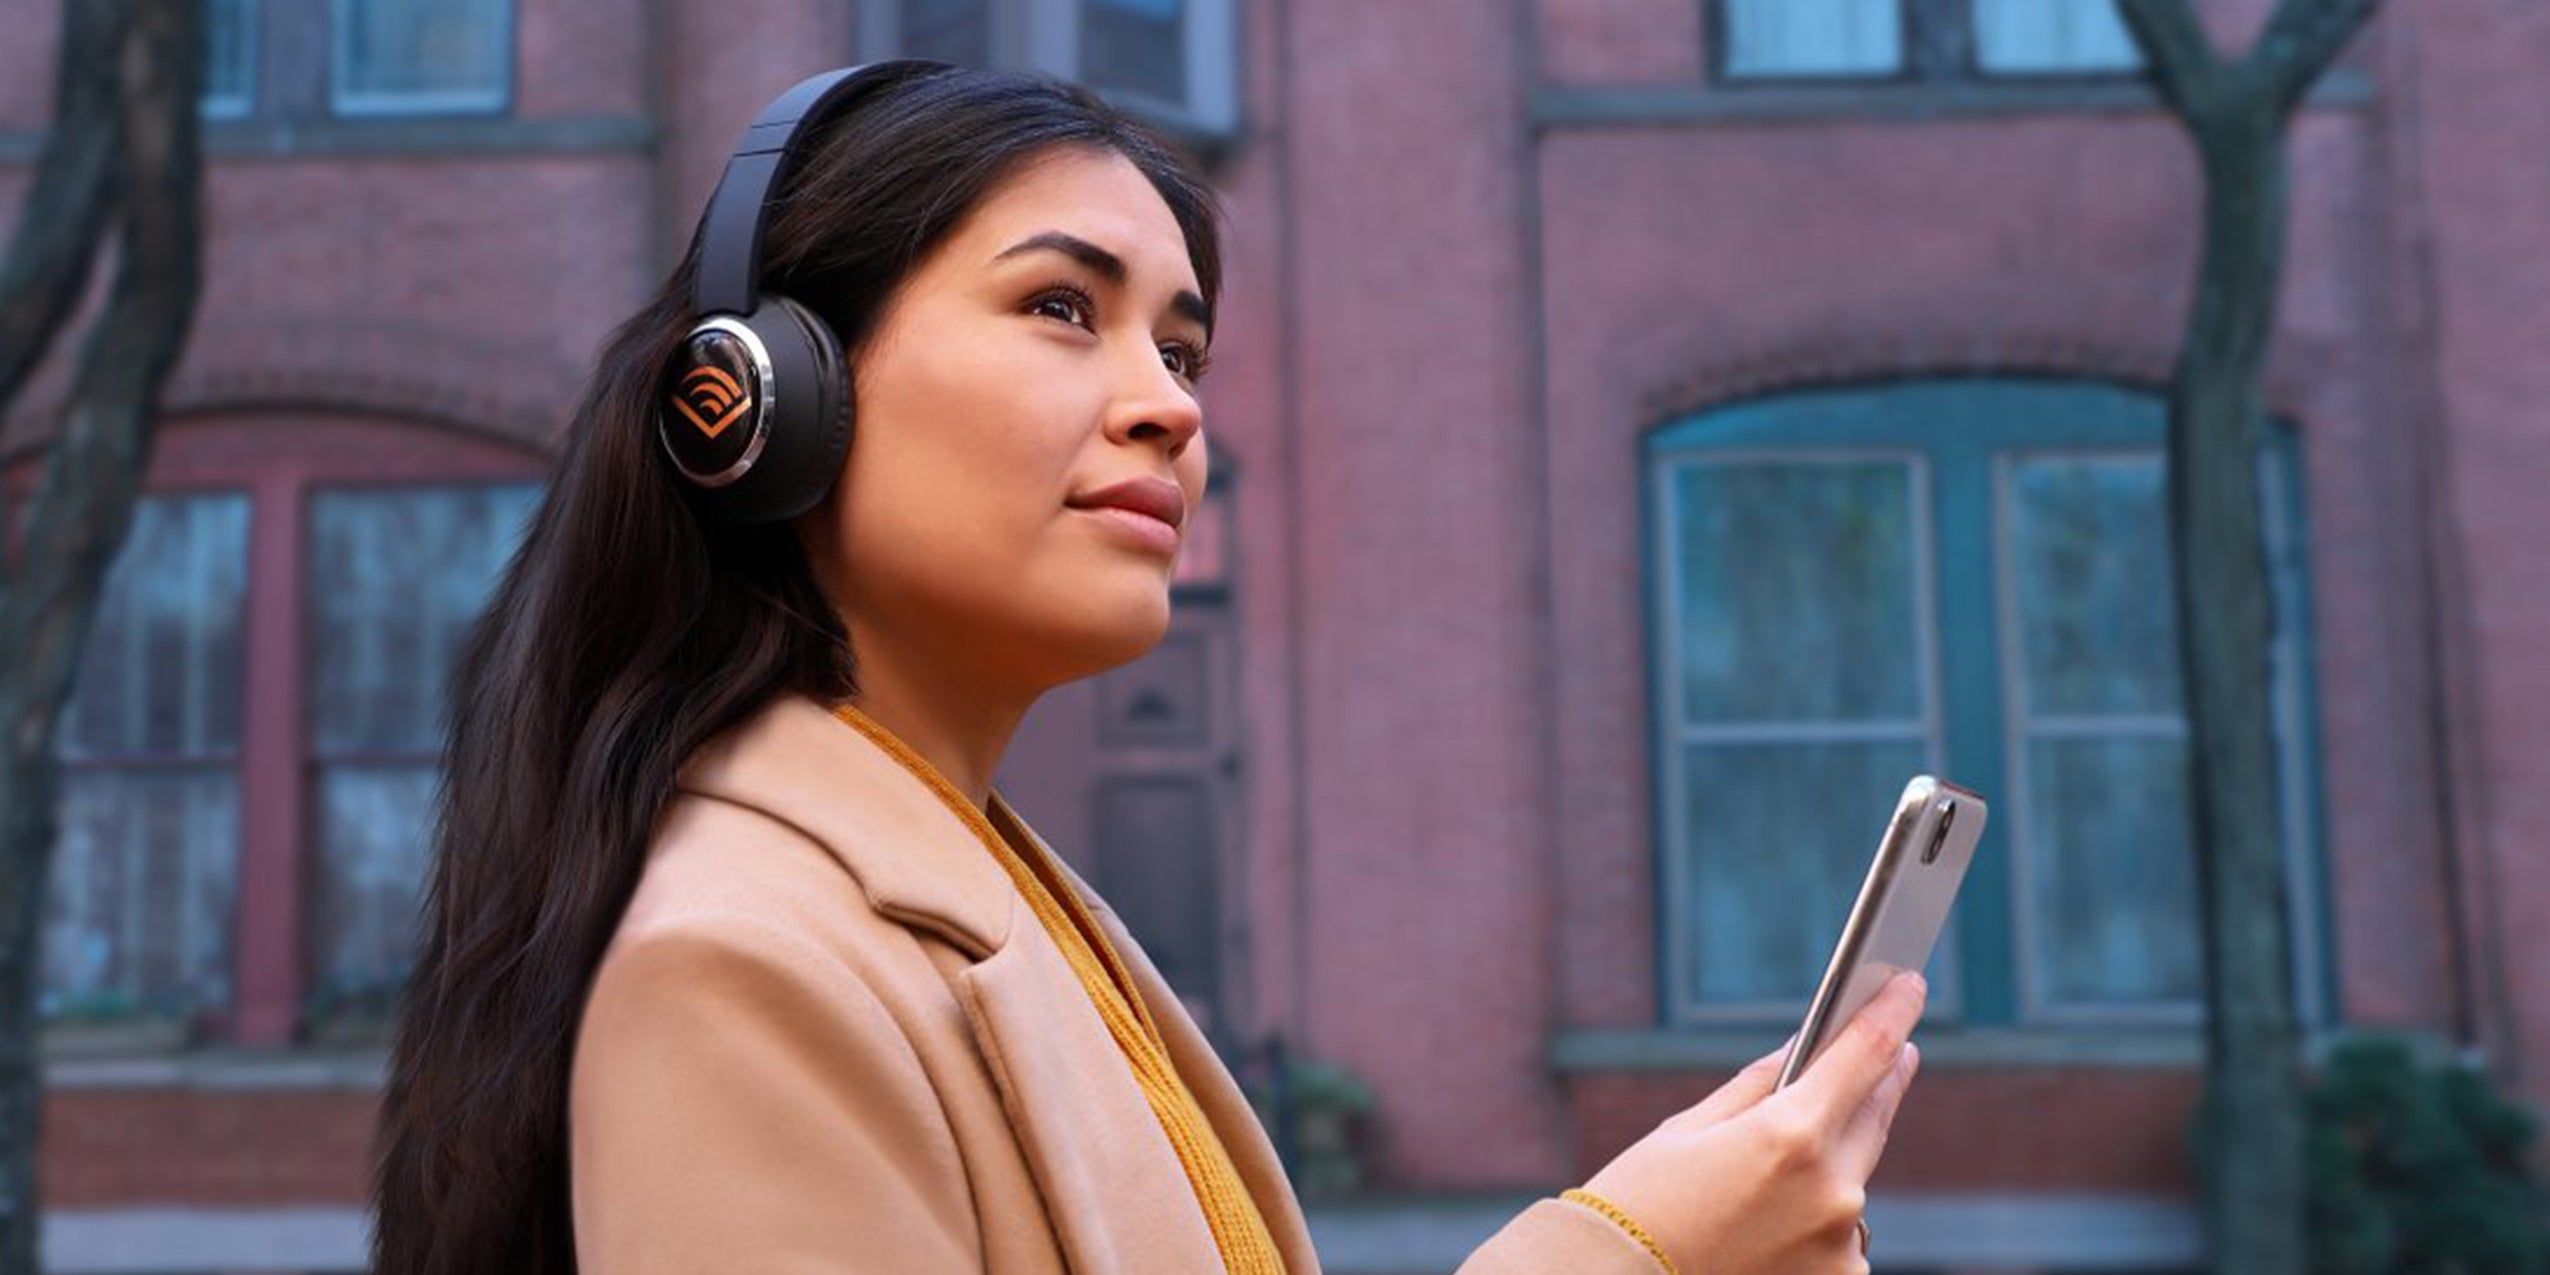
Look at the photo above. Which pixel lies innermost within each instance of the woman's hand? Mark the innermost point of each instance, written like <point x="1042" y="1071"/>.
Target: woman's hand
<point x="1755" y="1181"/>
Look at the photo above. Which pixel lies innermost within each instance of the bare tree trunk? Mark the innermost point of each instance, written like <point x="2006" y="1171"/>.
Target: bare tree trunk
<point x="150" y="55"/>
<point x="49" y="257"/>
<point x="2237" y="113"/>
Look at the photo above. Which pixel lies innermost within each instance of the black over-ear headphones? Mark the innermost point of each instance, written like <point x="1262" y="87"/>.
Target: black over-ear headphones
<point x="755" y="405"/>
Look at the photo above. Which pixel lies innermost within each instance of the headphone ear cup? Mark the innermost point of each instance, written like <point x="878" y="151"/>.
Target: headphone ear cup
<point x="833" y="399"/>
<point x="778" y="373"/>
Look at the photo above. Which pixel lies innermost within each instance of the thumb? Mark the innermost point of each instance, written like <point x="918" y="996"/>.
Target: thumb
<point x="1852" y="1066"/>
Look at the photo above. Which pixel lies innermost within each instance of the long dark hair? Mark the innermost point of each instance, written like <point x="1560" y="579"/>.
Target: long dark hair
<point x="627" y="630"/>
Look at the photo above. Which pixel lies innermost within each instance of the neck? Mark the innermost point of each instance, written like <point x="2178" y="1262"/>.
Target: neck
<point x="958" y="729"/>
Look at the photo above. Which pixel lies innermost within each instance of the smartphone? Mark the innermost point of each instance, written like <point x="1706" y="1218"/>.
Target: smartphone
<point x="1920" y="862"/>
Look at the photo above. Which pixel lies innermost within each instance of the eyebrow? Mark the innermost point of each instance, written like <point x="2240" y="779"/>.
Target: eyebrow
<point x="1108" y="266"/>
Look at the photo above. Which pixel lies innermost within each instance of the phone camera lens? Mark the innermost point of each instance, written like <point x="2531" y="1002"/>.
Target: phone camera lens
<point x="1939" y="838"/>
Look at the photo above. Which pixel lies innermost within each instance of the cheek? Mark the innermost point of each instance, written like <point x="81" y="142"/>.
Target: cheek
<point x="950" y="482"/>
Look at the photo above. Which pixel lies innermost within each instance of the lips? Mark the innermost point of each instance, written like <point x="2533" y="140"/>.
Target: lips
<point x="1150" y="497"/>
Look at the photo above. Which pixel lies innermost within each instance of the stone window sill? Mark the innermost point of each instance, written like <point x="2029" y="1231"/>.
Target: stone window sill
<point x="1905" y="101"/>
<point x="417" y="136"/>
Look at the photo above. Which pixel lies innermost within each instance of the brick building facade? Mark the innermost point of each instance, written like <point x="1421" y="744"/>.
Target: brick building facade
<point x="1571" y="350"/>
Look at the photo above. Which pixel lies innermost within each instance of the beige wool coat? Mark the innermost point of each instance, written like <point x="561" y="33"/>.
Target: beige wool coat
<point x="829" y="1037"/>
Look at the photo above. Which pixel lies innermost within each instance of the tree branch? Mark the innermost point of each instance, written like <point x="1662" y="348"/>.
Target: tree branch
<point x="2300" y="41"/>
<point x="2178" y="52"/>
<point x="95" y="468"/>
<point x="65" y="211"/>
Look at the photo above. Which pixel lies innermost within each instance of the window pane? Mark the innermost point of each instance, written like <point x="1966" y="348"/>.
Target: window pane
<point x="160" y="674"/>
<point x="397" y="577"/>
<point x="958" y="31"/>
<point x="423" y="55"/>
<point x="1778" y="837"/>
<point x="1795" y="591"/>
<point x="144" y="876"/>
<point x="1135" y="44"/>
<point x="1814" y="37"/>
<point x="230" y="37"/>
<point x="372" y="821"/>
<point x="2103" y="818"/>
<point x="2051" y="36"/>
<point x="2096" y="601"/>
<point x="2112" y="872"/>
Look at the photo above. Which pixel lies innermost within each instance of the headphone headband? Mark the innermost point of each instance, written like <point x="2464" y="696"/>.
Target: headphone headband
<point x="729" y="280"/>
<point x="754" y="408"/>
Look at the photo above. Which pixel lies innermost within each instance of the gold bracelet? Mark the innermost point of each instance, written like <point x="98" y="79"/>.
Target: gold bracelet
<point x="1622" y="1219"/>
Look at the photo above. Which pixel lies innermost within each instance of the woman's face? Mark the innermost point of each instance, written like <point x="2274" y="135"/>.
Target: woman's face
<point x="1044" y="351"/>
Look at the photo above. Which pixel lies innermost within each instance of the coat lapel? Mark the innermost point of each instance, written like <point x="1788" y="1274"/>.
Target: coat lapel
<point x="1118" y="1199"/>
<point x="1224" y="1105"/>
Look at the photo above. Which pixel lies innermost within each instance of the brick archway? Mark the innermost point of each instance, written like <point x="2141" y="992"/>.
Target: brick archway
<point x="1860" y="355"/>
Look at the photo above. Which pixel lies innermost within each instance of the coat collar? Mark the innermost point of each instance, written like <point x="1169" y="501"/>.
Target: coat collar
<point x="920" y="864"/>
<point x="916" y="861"/>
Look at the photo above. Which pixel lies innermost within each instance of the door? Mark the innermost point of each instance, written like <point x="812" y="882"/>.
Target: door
<point x="1133" y="777"/>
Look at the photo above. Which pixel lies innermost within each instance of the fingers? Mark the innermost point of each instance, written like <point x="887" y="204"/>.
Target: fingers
<point x="1864" y="1138"/>
<point x="1849" y="1069"/>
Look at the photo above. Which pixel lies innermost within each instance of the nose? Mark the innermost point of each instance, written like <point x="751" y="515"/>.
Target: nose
<point x="1155" y="404"/>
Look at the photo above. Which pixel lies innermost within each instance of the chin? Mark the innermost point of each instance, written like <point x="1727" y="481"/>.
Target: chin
<point x="1114" y="635"/>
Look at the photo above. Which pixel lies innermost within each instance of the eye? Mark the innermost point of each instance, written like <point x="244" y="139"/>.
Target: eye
<point x="1185" y="360"/>
<point x="1067" y="303"/>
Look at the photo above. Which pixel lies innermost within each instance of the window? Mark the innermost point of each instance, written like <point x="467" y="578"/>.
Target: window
<point x="146" y="862"/>
<point x="2097" y="744"/>
<point x="230" y="36"/>
<point x="361" y="58"/>
<point x="1921" y="39"/>
<point x="1968" y="577"/>
<point x="1814" y="37"/>
<point x="1170" y="60"/>
<point x="396" y="578"/>
<point x="420" y="56"/>
<point x="1135" y="45"/>
<point x="2036" y="37"/>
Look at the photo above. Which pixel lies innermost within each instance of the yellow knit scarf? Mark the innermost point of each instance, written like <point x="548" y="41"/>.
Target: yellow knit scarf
<point x="1239" y="1230"/>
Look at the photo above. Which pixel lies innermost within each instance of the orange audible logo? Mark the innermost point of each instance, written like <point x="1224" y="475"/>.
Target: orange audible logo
<point x="711" y="399"/>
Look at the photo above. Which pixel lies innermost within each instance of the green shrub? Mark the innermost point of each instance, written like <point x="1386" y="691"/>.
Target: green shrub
<point x="1329" y="1109"/>
<point x="2419" y="1171"/>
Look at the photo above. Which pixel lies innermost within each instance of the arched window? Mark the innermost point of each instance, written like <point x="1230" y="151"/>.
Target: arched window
<point x="1969" y="577"/>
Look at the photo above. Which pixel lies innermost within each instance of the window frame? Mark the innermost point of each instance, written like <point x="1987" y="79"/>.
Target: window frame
<point x="1983" y="940"/>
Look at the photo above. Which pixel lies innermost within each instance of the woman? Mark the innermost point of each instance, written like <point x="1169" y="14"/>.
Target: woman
<point x="733" y="959"/>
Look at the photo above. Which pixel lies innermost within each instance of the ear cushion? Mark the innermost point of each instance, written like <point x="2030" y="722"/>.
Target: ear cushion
<point x="834" y="391"/>
<point x="801" y="413"/>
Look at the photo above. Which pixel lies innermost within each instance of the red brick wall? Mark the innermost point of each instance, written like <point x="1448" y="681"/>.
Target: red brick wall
<point x="111" y="1147"/>
<point x="2473" y="106"/>
<point x="2016" y="1131"/>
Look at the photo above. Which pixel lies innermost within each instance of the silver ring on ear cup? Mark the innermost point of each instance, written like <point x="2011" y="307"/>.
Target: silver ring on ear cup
<point x="761" y="395"/>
